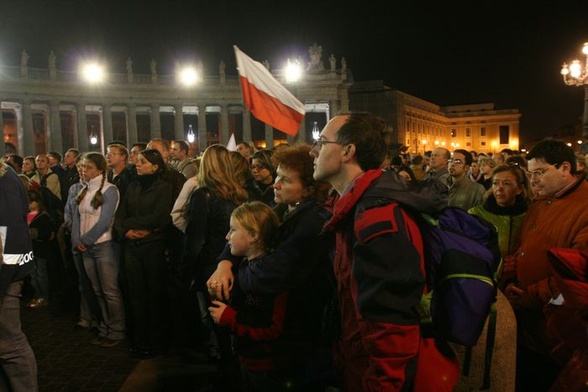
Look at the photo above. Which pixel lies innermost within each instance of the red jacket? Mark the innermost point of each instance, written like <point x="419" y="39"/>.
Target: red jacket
<point x="379" y="283"/>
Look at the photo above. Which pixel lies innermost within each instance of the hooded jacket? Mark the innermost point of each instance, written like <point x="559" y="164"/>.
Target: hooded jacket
<point x="379" y="281"/>
<point x="17" y="249"/>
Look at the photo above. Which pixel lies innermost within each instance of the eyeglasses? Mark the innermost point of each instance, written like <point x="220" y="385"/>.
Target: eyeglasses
<point x="538" y="174"/>
<point x="320" y="143"/>
<point x="257" y="167"/>
<point x="455" y="161"/>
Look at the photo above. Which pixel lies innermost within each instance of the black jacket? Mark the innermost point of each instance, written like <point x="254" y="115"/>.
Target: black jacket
<point x="208" y="225"/>
<point x="17" y="251"/>
<point x="146" y="206"/>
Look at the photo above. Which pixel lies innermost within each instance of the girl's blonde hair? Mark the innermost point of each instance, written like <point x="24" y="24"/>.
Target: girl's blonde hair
<point x="217" y="174"/>
<point x="100" y="162"/>
<point x="258" y="219"/>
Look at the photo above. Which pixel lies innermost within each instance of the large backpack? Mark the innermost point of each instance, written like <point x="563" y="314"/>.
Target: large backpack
<point x="462" y="257"/>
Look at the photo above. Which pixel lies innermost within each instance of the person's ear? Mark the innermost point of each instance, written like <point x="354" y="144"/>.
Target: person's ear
<point x="349" y="151"/>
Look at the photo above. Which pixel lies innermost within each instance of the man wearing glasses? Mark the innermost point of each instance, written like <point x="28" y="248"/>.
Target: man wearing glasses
<point x="463" y="193"/>
<point x="379" y="279"/>
<point x="558" y="217"/>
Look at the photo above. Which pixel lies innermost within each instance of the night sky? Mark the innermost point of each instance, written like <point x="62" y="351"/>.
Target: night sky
<point x="501" y="52"/>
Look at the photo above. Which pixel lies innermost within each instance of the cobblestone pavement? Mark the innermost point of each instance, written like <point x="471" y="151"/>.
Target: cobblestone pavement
<point x="68" y="362"/>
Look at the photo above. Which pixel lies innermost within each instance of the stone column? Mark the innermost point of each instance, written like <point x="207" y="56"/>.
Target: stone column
<point x="107" y="123"/>
<point x="54" y="128"/>
<point x="269" y="136"/>
<point x="155" y="120"/>
<point x="202" y="133"/>
<point x="132" y="123"/>
<point x="83" y="138"/>
<point x="179" y="123"/>
<point x="333" y="108"/>
<point x="300" y="136"/>
<point x="19" y="130"/>
<point x="246" y="125"/>
<point x="28" y="135"/>
<point x="224" y="123"/>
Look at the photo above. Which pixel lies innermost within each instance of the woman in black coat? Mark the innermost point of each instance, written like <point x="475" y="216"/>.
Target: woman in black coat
<point x="142" y="220"/>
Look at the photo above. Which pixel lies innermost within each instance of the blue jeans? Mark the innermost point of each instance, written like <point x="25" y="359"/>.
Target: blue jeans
<point x="40" y="278"/>
<point x="17" y="358"/>
<point x="89" y="309"/>
<point x="102" y="267"/>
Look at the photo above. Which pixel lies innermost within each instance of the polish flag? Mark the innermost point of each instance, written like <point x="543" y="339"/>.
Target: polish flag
<point x="266" y="98"/>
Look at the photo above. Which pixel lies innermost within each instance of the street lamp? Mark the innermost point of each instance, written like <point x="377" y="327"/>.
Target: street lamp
<point x="576" y="74"/>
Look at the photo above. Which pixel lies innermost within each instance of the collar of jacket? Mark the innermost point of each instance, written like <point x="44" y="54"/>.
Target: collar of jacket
<point x="491" y="206"/>
<point x="346" y="203"/>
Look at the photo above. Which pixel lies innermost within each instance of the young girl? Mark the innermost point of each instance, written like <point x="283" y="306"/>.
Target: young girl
<point x="91" y="235"/>
<point x="42" y="231"/>
<point x="256" y="320"/>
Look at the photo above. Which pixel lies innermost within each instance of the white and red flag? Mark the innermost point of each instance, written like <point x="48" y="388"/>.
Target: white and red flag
<point x="266" y="98"/>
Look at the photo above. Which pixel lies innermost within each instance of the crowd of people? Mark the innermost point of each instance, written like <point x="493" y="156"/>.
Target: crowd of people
<point x="250" y="255"/>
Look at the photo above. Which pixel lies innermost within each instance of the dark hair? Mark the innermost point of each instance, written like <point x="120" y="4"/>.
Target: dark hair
<point x="265" y="157"/>
<point x="468" y="156"/>
<point x="517" y="160"/>
<point x="417" y="160"/>
<point x="554" y="152"/>
<point x="36" y="196"/>
<point x="97" y="159"/>
<point x="370" y="135"/>
<point x="154" y="157"/>
<point x="17" y="160"/>
<point x="55" y="155"/>
<point x="141" y="145"/>
<point x="183" y="145"/>
<point x="75" y="151"/>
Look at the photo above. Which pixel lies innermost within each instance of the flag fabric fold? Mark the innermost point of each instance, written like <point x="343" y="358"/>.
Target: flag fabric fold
<point x="266" y="98"/>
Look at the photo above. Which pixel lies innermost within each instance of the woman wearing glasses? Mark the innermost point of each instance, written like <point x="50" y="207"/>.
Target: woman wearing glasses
<point x="264" y="173"/>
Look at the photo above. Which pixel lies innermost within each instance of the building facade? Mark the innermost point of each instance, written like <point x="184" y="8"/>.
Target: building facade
<point x="49" y="109"/>
<point x="46" y="109"/>
<point x="421" y="125"/>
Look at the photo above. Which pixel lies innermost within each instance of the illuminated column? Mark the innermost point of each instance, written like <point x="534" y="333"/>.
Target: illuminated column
<point x="224" y="122"/>
<point x="107" y="123"/>
<point x="19" y="129"/>
<point x="155" y="120"/>
<point x="132" y="124"/>
<point x="54" y="128"/>
<point x="179" y="123"/>
<point x="27" y="123"/>
<point x="82" y="135"/>
<point x="246" y="125"/>
<point x="269" y="136"/>
<point x="202" y="134"/>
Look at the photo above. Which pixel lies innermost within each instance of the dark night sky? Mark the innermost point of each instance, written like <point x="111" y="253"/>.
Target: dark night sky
<point x="502" y="52"/>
